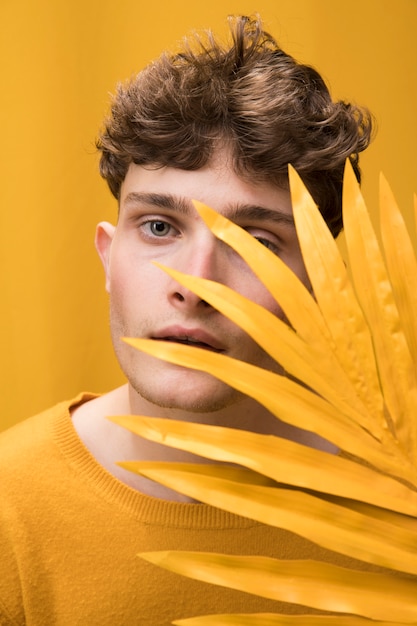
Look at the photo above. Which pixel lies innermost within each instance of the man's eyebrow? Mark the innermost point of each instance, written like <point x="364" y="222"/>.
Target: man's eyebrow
<point x="158" y="201"/>
<point x="254" y="213"/>
<point x="238" y="213"/>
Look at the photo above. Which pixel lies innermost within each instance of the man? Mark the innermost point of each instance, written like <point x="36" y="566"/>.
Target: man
<point x="219" y="125"/>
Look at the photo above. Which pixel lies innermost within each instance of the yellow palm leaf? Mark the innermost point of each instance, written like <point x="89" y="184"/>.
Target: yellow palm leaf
<point x="288" y="400"/>
<point x="272" y="619"/>
<point x="319" y="585"/>
<point x="284" y="345"/>
<point x="401" y="263"/>
<point x="332" y="526"/>
<point x="297" y="302"/>
<point x="375" y="295"/>
<point x="337" y="301"/>
<point x="415" y="212"/>
<point x="281" y="460"/>
<point x="303" y="408"/>
<point x="360" y="326"/>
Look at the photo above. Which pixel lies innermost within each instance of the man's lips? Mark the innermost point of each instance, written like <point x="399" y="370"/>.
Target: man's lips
<point x="189" y="336"/>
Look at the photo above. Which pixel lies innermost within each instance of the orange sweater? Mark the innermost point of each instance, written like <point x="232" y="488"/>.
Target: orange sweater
<point x="70" y="533"/>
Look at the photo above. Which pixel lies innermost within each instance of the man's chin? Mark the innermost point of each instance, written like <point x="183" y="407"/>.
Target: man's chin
<point x="196" y="400"/>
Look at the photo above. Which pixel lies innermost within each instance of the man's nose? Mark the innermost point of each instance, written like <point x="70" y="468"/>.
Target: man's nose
<point x="204" y="258"/>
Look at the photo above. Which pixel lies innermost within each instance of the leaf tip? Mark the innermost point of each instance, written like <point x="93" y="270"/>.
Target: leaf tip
<point x="154" y="557"/>
<point x="207" y="214"/>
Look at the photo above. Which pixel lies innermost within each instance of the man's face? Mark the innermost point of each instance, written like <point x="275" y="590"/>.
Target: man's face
<point x="158" y="222"/>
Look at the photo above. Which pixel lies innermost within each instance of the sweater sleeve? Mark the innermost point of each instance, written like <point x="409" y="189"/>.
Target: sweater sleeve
<point x="11" y="601"/>
<point x="11" y="535"/>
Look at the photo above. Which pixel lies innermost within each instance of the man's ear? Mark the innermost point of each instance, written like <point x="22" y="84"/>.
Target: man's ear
<point x="103" y="240"/>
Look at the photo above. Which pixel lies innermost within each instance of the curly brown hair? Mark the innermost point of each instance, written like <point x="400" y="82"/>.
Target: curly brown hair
<point x="269" y="109"/>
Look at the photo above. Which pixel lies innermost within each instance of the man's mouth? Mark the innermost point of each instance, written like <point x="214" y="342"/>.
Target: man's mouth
<point x="189" y="341"/>
<point x="196" y="337"/>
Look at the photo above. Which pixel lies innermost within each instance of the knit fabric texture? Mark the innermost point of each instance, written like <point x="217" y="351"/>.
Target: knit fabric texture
<point x="70" y="534"/>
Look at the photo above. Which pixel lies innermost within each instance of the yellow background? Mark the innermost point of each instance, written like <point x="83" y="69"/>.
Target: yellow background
<point x="59" y="61"/>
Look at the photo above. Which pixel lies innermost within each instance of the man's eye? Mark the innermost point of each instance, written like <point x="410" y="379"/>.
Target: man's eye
<point x="268" y="244"/>
<point x="159" y="228"/>
<point x="269" y="240"/>
<point x="264" y="242"/>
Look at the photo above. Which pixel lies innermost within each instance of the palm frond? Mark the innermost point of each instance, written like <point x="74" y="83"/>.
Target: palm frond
<point x="361" y="328"/>
<point x="320" y="585"/>
<point x="272" y="619"/>
<point x="281" y="460"/>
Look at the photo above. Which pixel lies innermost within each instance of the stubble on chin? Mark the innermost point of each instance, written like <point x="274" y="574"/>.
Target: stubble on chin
<point x="176" y="399"/>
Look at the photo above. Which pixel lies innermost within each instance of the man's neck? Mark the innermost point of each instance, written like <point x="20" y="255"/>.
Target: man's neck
<point x="109" y="443"/>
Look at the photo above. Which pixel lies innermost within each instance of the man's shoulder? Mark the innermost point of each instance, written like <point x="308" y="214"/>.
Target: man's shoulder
<point x="35" y="434"/>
